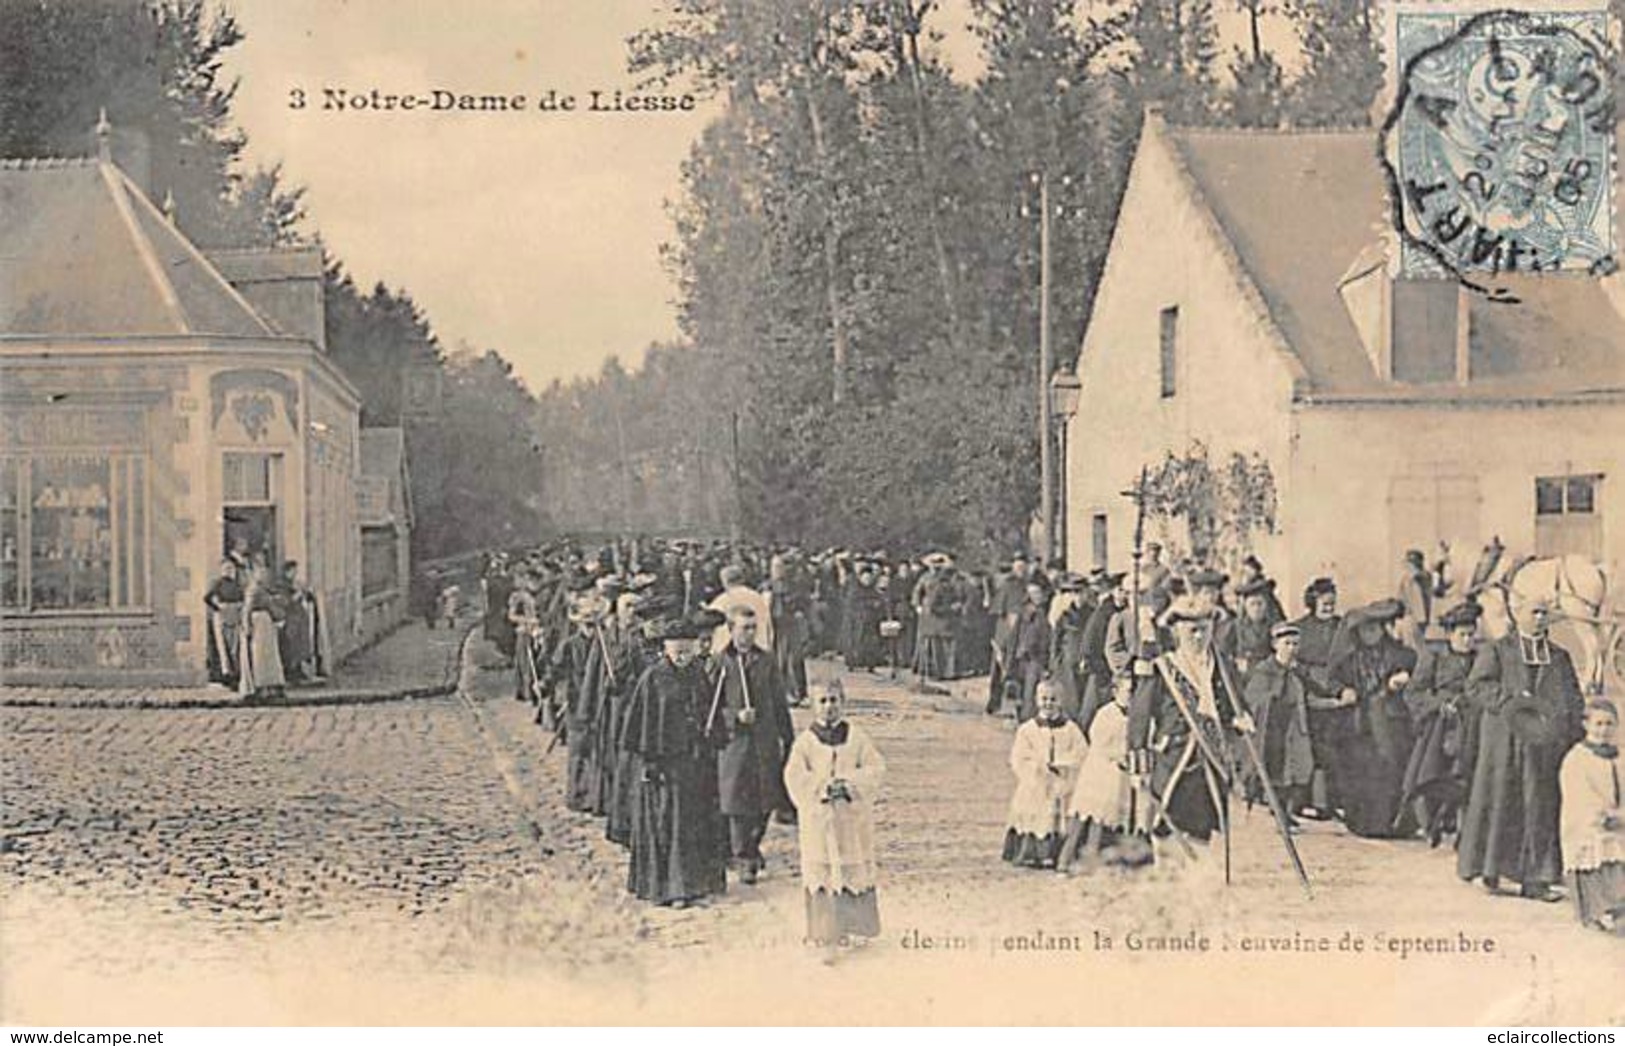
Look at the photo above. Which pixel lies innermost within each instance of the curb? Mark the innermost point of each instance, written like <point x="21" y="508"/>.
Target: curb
<point x="446" y="687"/>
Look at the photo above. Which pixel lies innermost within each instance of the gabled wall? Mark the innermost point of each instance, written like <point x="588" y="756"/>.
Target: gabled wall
<point x="1234" y="386"/>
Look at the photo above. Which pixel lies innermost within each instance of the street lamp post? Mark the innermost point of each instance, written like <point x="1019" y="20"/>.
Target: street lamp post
<point x="1065" y="391"/>
<point x="1046" y="463"/>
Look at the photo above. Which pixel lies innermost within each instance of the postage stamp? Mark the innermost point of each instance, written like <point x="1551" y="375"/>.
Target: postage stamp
<point x="1499" y="147"/>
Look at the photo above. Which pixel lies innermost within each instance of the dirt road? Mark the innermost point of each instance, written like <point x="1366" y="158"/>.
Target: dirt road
<point x="518" y="913"/>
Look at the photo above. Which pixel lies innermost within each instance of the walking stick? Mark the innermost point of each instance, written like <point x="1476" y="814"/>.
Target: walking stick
<point x="1196" y="731"/>
<point x="1157" y="809"/>
<point x="1278" y="812"/>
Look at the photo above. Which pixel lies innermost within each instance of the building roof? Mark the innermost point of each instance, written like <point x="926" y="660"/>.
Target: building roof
<point x="84" y="253"/>
<point x="1304" y="209"/>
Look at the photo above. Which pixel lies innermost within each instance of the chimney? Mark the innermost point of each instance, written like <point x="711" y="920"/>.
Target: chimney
<point x="1430" y="332"/>
<point x="284" y="284"/>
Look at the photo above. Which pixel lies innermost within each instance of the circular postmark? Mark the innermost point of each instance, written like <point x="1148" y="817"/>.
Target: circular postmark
<point x="1499" y="149"/>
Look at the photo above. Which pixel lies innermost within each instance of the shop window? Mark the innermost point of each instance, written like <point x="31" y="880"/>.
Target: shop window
<point x="73" y="533"/>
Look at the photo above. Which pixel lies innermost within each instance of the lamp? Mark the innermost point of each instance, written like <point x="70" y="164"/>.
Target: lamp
<point x="1065" y="390"/>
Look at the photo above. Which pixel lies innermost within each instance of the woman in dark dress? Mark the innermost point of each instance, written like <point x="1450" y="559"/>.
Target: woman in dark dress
<point x="1370" y="664"/>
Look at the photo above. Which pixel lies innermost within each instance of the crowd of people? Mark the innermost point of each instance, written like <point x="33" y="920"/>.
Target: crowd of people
<point x="1144" y="703"/>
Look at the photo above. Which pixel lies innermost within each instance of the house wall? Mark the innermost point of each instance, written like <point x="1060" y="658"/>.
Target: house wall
<point x="333" y="536"/>
<point x="1233" y="386"/>
<point x="1346" y="518"/>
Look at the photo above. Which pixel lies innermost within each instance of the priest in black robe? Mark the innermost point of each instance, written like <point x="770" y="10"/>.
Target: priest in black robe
<point x="749" y="722"/>
<point x="1532" y="715"/>
<point x="677" y="853"/>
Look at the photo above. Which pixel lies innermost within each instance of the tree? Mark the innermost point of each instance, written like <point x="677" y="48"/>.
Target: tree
<point x="154" y="66"/>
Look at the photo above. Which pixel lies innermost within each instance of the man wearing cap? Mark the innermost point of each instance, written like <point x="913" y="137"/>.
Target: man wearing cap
<point x="1330" y="718"/>
<point x="1180" y="720"/>
<point x="1446" y="719"/>
<point x="1279" y="703"/>
<point x="678" y="854"/>
<point x="1533" y="708"/>
<point x="937" y="602"/>
<point x="748" y="723"/>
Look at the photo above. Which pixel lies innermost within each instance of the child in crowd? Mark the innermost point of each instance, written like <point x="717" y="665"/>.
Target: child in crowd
<point x="1100" y="810"/>
<point x="1046" y="755"/>
<point x="1593" y="833"/>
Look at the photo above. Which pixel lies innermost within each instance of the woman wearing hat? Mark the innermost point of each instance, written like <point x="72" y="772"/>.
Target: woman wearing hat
<point x="1372" y="668"/>
<point x="1446" y="720"/>
<point x="1245" y="638"/>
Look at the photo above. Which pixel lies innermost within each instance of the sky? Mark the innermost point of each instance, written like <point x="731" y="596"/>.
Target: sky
<point x="534" y="234"/>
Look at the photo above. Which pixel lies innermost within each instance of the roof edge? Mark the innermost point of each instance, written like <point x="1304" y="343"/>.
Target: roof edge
<point x="1254" y="297"/>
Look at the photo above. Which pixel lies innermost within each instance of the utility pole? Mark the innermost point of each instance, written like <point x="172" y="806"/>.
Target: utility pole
<point x="1046" y="462"/>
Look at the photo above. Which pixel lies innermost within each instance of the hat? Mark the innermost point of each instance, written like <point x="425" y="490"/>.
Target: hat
<point x="641" y="582"/>
<point x="1461" y="615"/>
<point x="1282" y="629"/>
<point x="1380" y="612"/>
<point x="938" y="559"/>
<point x="1115" y="578"/>
<point x="1185" y="609"/>
<point x="1153" y="546"/>
<point x="696" y="625"/>
<point x="1414" y="555"/>
<point x="1206" y="577"/>
<point x="1069" y="582"/>
<point x="1259" y="586"/>
<point x="1254" y="562"/>
<point x="1320" y="586"/>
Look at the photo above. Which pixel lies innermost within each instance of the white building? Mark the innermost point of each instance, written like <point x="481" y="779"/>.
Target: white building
<point x="1246" y="304"/>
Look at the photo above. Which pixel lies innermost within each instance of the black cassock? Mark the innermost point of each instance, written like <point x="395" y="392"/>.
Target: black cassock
<point x="1370" y="762"/>
<point x="677" y="851"/>
<point x="1531" y="716"/>
<point x="570" y="669"/>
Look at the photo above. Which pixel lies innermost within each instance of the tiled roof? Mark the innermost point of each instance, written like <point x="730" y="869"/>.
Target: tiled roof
<point x="83" y="253"/>
<point x="1304" y="209"/>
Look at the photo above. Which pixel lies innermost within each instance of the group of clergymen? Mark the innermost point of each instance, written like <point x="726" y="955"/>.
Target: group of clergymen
<point x="675" y="709"/>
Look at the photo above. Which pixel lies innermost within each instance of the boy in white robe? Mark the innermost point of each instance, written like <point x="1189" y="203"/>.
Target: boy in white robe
<point x="1048" y="750"/>
<point x="1591" y="825"/>
<point x="1101" y="800"/>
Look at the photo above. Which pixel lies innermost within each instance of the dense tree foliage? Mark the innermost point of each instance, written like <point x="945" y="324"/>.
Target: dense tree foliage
<point x="155" y="67"/>
<point x="857" y="250"/>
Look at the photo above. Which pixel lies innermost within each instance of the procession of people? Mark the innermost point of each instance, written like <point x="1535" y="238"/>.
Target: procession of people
<point x="1145" y="705"/>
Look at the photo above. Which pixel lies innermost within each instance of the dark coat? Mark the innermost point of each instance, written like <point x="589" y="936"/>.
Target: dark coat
<point x="1371" y="760"/>
<point x="750" y="757"/>
<point x="1159" y="731"/>
<point x="1510" y="829"/>
<point x="677" y="834"/>
<point x="1445" y="716"/>
<point x="1278" y="701"/>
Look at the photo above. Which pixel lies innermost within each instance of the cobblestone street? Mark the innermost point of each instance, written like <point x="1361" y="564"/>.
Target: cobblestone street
<point x="412" y="861"/>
